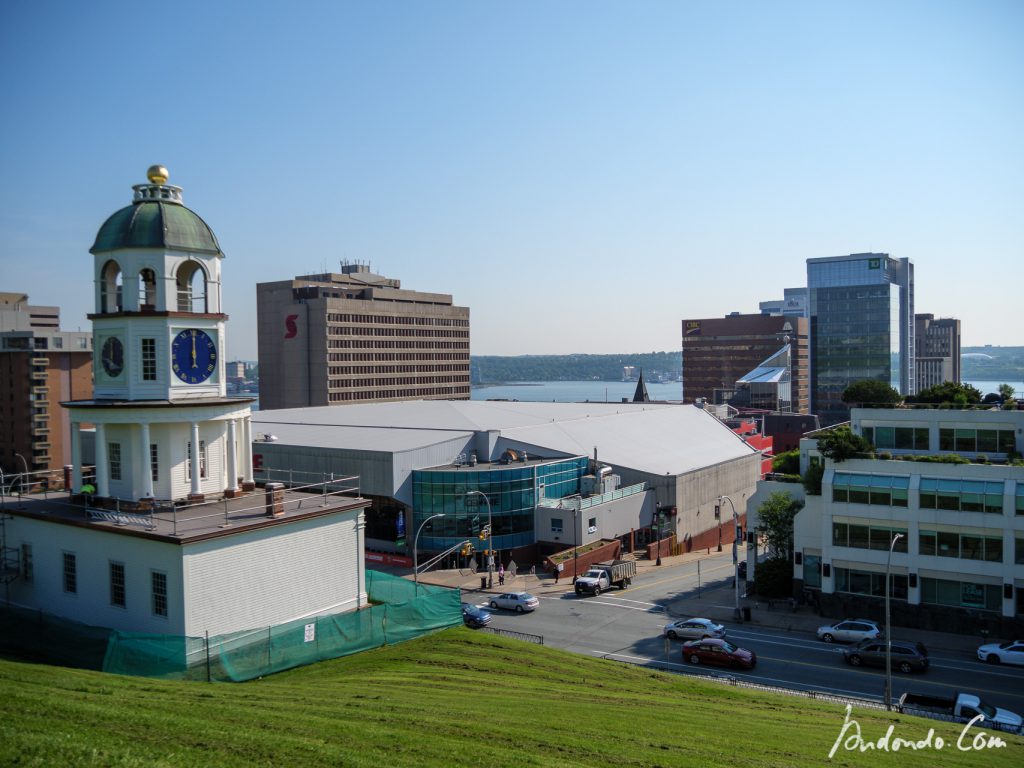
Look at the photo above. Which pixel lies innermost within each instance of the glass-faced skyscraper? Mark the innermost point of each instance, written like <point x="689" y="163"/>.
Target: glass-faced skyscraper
<point x="862" y="327"/>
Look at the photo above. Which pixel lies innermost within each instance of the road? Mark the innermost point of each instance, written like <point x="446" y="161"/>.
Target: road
<point x="627" y="626"/>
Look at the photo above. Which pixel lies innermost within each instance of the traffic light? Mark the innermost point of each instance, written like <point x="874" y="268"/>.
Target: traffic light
<point x="467" y="550"/>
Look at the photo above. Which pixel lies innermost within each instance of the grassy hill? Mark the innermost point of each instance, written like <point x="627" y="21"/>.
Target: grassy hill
<point x="456" y="698"/>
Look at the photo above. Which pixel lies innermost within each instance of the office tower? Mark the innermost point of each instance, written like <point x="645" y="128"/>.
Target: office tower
<point x="937" y="350"/>
<point x="358" y="337"/>
<point x="40" y="366"/>
<point x="862" y="327"/>
<point x="792" y="304"/>
<point x="718" y="352"/>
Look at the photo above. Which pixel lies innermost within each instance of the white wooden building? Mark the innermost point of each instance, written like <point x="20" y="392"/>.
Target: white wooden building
<point x="170" y="535"/>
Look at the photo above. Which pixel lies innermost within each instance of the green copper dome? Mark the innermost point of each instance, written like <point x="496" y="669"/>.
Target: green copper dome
<point x="156" y="224"/>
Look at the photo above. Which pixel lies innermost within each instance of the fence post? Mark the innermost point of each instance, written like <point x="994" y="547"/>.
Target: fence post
<point x="225" y="501"/>
<point x="325" y="490"/>
<point x="208" y="656"/>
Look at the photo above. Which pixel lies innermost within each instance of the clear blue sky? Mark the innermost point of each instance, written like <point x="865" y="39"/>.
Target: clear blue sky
<point x="582" y="175"/>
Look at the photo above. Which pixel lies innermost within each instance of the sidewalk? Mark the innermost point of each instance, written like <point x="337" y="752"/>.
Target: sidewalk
<point x="716" y="602"/>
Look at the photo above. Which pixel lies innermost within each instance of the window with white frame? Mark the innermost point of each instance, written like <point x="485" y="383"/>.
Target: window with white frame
<point x="70" y="573"/>
<point x="117" y="592"/>
<point x="149" y="359"/>
<point x="159" y="592"/>
<point x="556" y="525"/>
<point x="202" y="460"/>
<point x="114" y="460"/>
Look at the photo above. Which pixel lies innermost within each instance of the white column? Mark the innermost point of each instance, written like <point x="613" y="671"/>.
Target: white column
<point x="147" y="461"/>
<point x="232" y="457"/>
<point x="247" y="449"/>
<point x="76" y="457"/>
<point x="102" y="466"/>
<point x="196" y="488"/>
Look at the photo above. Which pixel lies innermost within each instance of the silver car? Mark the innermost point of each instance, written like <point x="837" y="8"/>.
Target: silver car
<point x="694" y="629"/>
<point x="850" y="631"/>
<point x="515" y="601"/>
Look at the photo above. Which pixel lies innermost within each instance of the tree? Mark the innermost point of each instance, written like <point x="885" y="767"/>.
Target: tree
<point x="775" y="522"/>
<point x="948" y="392"/>
<point x="812" y="478"/>
<point x="1006" y="393"/>
<point x="842" y="443"/>
<point x="871" y="393"/>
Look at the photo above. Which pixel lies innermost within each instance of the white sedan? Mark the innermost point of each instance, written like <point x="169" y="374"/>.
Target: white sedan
<point x="515" y="601"/>
<point x="1003" y="653"/>
<point x="694" y="629"/>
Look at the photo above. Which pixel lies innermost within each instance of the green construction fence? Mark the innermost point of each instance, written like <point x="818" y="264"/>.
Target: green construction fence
<point x="397" y="612"/>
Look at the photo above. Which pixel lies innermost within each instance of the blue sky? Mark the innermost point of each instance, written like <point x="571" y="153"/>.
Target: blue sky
<point x="582" y="175"/>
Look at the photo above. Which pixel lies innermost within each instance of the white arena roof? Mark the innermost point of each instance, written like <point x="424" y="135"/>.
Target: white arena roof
<point x="658" y="438"/>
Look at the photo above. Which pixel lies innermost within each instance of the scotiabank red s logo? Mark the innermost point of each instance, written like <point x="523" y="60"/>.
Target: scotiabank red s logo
<point x="290" y="329"/>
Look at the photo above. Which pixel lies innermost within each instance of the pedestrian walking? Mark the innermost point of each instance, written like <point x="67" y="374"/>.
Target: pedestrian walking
<point x="557" y="574"/>
<point x="501" y="574"/>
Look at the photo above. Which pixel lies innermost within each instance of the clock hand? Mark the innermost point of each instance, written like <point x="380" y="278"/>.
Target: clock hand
<point x="194" y="350"/>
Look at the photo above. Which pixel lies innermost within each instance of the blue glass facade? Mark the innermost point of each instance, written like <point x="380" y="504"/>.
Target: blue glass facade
<point x="512" y="489"/>
<point x="862" y="315"/>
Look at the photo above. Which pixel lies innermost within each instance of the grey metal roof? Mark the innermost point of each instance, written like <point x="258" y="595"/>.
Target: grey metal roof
<point x="764" y="375"/>
<point x="657" y="438"/>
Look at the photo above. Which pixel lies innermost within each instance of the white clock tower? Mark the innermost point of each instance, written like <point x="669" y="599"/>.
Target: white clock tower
<point x="164" y="427"/>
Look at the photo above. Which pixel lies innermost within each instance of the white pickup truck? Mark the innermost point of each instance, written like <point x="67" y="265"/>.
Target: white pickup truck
<point x="963" y="707"/>
<point x="602" y="576"/>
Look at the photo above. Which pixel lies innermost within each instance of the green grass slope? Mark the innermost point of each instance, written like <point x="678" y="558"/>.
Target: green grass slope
<point x="456" y="698"/>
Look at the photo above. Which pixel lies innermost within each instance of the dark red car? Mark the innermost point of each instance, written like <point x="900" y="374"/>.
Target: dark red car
<point x="722" y="653"/>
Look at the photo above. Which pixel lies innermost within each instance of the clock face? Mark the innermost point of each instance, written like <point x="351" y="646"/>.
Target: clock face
<point x="193" y="356"/>
<point x="112" y="356"/>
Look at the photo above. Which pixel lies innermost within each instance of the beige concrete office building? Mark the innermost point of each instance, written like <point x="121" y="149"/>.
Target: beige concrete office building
<point x="358" y="337"/>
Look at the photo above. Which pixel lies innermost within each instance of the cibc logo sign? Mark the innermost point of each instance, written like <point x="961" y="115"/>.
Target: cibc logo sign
<point x="290" y="329"/>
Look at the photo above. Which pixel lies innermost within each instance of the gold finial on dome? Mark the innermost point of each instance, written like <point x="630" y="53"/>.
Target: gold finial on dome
<point x="157" y="174"/>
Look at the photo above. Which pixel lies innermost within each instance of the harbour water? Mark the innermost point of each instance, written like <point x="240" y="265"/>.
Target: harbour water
<point x="575" y="391"/>
<point x="615" y="391"/>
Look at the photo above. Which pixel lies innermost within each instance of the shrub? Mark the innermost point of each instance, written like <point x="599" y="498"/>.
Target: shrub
<point x="787" y="463"/>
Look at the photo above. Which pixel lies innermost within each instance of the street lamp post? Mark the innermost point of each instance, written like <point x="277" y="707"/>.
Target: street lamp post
<point x="575" y="542"/>
<point x="888" y="634"/>
<point x="415" y="559"/>
<point x="735" y="549"/>
<point x="490" y="538"/>
<point x="658" y="542"/>
<point x="21" y="480"/>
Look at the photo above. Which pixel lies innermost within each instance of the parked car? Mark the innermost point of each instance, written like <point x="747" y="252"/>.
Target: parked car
<point x="906" y="656"/>
<point x="850" y="631"/>
<point x="1003" y="653"/>
<point x="694" y="629"/>
<point x="474" y="616"/>
<point x="515" y="601"/>
<point x="713" y="650"/>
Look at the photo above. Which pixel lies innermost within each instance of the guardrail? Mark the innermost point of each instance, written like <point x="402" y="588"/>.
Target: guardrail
<point x="536" y="639"/>
<point x="225" y="509"/>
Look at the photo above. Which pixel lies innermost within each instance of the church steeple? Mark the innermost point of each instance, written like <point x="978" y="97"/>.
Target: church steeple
<point x="641" y="396"/>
